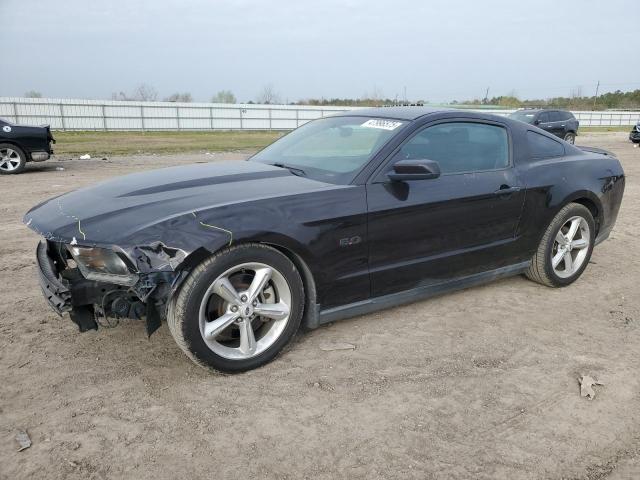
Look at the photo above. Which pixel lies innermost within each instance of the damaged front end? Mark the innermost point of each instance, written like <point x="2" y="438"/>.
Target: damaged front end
<point x="98" y="286"/>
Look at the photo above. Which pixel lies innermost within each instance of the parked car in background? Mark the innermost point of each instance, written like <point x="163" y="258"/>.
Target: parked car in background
<point x="634" y="135"/>
<point x="345" y="215"/>
<point x="20" y="144"/>
<point x="560" y="123"/>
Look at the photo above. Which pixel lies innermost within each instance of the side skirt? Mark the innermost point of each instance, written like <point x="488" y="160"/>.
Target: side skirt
<point x="418" y="293"/>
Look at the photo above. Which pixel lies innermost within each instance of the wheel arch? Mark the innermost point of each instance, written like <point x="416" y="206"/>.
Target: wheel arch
<point x="22" y="148"/>
<point x="288" y="247"/>
<point x="591" y="202"/>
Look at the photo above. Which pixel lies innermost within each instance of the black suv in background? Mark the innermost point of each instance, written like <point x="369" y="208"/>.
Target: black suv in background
<point x="558" y="122"/>
<point x="20" y="144"/>
<point x="634" y="135"/>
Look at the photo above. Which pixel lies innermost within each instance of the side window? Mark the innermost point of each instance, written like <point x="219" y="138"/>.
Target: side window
<point x="568" y="116"/>
<point x="544" y="117"/>
<point x="557" y="116"/>
<point x="543" y="147"/>
<point x="459" y="147"/>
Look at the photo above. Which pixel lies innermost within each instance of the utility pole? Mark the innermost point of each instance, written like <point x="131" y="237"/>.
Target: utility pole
<point x="486" y="96"/>
<point x="595" y="99"/>
<point x="405" y="95"/>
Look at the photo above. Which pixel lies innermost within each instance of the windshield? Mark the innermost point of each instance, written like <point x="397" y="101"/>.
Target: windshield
<point x="523" y="116"/>
<point x="332" y="149"/>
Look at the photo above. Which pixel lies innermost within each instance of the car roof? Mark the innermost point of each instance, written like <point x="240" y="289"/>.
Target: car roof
<point x="400" y="113"/>
<point x="538" y="110"/>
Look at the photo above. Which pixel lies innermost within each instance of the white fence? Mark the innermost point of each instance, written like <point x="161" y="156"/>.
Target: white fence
<point x="63" y="114"/>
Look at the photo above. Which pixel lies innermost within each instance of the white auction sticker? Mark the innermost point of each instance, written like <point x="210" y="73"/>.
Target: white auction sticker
<point x="6" y="128"/>
<point x="383" y="124"/>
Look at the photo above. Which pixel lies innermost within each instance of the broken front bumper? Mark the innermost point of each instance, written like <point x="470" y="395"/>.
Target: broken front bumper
<point x="59" y="292"/>
<point x="68" y="291"/>
<point x="55" y="291"/>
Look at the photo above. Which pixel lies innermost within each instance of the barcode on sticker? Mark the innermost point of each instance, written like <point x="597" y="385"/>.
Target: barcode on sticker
<point x="383" y="124"/>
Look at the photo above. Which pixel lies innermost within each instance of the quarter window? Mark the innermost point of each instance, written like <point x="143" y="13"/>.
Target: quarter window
<point x="541" y="146"/>
<point x="459" y="147"/>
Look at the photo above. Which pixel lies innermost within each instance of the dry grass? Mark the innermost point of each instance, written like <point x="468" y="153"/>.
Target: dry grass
<point x="127" y="143"/>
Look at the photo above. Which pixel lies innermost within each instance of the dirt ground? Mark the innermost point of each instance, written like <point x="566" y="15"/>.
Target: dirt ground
<point x="477" y="384"/>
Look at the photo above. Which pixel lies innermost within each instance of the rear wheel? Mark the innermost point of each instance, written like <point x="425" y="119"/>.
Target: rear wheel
<point x="238" y="309"/>
<point x="570" y="137"/>
<point x="565" y="248"/>
<point x="12" y="159"/>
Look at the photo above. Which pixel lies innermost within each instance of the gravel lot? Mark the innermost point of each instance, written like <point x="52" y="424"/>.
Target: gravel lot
<point x="477" y="384"/>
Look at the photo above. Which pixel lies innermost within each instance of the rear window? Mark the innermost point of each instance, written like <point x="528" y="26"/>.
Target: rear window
<point x="541" y="146"/>
<point x="526" y="116"/>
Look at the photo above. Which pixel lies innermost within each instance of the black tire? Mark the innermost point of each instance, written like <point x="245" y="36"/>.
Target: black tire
<point x="184" y="307"/>
<point x="22" y="158"/>
<point x="540" y="270"/>
<point x="570" y="137"/>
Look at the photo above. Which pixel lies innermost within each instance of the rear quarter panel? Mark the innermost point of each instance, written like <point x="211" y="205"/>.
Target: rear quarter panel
<point x="29" y="139"/>
<point x="551" y="183"/>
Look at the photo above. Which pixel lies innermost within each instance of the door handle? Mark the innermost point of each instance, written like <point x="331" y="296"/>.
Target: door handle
<point x="506" y="190"/>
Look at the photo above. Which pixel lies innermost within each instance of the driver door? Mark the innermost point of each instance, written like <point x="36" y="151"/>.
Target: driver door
<point x="429" y="231"/>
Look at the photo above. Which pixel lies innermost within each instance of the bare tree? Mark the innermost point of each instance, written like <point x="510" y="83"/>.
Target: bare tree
<point x="576" y="92"/>
<point x="142" y="93"/>
<point x="179" y="97"/>
<point x="268" y="95"/>
<point x="145" y="93"/>
<point x="224" y="96"/>
<point x="33" y="94"/>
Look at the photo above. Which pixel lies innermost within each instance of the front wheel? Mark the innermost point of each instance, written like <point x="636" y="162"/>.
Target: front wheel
<point x="570" y="137"/>
<point x="565" y="248"/>
<point x="238" y="309"/>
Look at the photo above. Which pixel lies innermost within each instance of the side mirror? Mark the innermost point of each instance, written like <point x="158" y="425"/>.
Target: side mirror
<point x="536" y="122"/>
<point x="414" y="170"/>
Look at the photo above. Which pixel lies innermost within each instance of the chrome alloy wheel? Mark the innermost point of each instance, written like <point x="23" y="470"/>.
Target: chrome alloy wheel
<point x="570" y="247"/>
<point x="9" y="159"/>
<point x="245" y="310"/>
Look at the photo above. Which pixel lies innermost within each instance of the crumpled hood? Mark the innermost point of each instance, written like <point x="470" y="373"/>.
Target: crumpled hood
<point x="128" y="210"/>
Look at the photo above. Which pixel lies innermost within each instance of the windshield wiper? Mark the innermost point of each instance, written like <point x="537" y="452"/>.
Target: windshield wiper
<point x="296" y="171"/>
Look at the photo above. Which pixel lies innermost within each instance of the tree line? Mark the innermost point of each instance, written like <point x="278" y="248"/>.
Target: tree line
<point x="606" y="101"/>
<point x="269" y="96"/>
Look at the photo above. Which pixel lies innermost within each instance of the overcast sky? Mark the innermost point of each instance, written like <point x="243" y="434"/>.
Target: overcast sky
<point x="439" y="50"/>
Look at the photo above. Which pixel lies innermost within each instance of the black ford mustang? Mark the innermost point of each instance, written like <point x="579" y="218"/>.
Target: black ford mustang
<point x="345" y="215"/>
